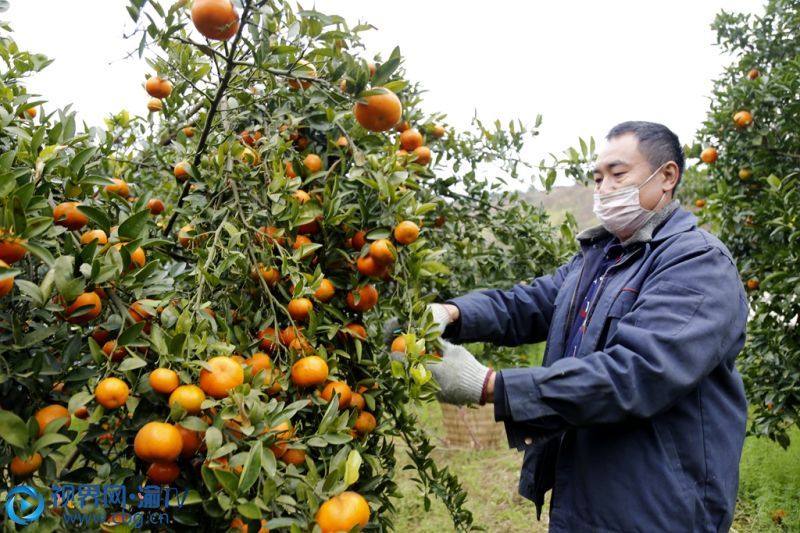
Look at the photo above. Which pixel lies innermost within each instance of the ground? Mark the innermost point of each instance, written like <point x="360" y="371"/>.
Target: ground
<point x="770" y="483"/>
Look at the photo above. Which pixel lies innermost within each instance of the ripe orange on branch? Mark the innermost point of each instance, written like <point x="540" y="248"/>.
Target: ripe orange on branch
<point x="154" y="105"/>
<point x="309" y="371"/>
<point x="743" y="119"/>
<point x="164" y="380"/>
<point x="189" y="397"/>
<point x="90" y="301"/>
<point x="305" y="69"/>
<point x="6" y="284"/>
<point x="378" y="112"/>
<point x="383" y="251"/>
<point x="342" y="389"/>
<point x="368" y="297"/>
<point x="225" y="374"/>
<point x="158" y="442"/>
<point x="406" y="232"/>
<point x="158" y="88"/>
<point x="11" y="247"/>
<point x="47" y="414"/>
<point x="23" y="468"/>
<point x="67" y="214"/>
<point x="111" y="393"/>
<point x="163" y="473"/>
<point x="411" y="139"/>
<point x="94" y="235"/>
<point x="215" y="19"/>
<point x="709" y="155"/>
<point x="343" y="512"/>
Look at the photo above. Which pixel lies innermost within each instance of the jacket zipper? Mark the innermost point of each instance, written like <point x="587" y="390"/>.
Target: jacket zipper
<point x="603" y="279"/>
<point x="571" y="308"/>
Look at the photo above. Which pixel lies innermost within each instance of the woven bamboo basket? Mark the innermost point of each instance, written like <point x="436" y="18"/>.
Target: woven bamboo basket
<point x="472" y="428"/>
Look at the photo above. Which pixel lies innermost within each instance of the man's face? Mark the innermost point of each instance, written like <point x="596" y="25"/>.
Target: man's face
<point x="621" y="164"/>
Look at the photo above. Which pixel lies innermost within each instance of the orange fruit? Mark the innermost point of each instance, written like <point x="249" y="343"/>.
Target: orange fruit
<point x="163" y="473"/>
<point x="709" y="155"/>
<point x="423" y="154"/>
<point x="188" y="131"/>
<point x="23" y="468"/>
<point x="119" y="187"/>
<point x="47" y="414"/>
<point x="258" y="362"/>
<point x="157" y="88"/>
<point x="189" y="397"/>
<point x="94" y="235"/>
<point x="305" y="69"/>
<point x="158" y="442"/>
<point x="215" y="19"/>
<point x="112" y="352"/>
<point x="357" y="401"/>
<point x="745" y="173"/>
<point x="270" y="275"/>
<point x="378" y="112"/>
<point x="743" y="119"/>
<point x="11" y="249"/>
<point x="269" y="234"/>
<point x="90" y="301"/>
<point x="700" y="203"/>
<point x="342" y="389"/>
<point x="301" y="196"/>
<point x="251" y="138"/>
<point x="342" y="142"/>
<point x="111" y="393"/>
<point x="290" y="170"/>
<point x="249" y="156"/>
<point x="294" y="456"/>
<point x="356" y="330"/>
<point x="138" y="256"/>
<point x="368" y="297"/>
<point x="6" y="284"/>
<point x="155" y="206"/>
<point x="191" y="441"/>
<point x="164" y="380"/>
<point x="752" y="284"/>
<point x="406" y="232"/>
<point x="284" y="433"/>
<point x="31" y="112"/>
<point x="411" y="139"/>
<point x="138" y="312"/>
<point x="154" y="105"/>
<point x="343" y="512"/>
<point x="184" y="235"/>
<point x="359" y="239"/>
<point x="301" y="240"/>
<point x="313" y="163"/>
<point x="267" y="336"/>
<point x="438" y="132"/>
<point x="753" y="73"/>
<point x="225" y="374"/>
<point x="368" y="266"/>
<point x="383" y="251"/>
<point x="309" y="371"/>
<point x="326" y="291"/>
<point x="299" y="309"/>
<point x="82" y="412"/>
<point x="399" y="344"/>
<point x="66" y="214"/>
<point x="402" y="126"/>
<point x="365" y="423"/>
<point x="181" y="171"/>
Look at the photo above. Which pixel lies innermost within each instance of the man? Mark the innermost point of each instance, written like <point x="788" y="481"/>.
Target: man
<point x="637" y="418"/>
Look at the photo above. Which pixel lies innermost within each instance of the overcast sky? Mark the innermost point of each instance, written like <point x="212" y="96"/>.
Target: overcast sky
<point x="584" y="65"/>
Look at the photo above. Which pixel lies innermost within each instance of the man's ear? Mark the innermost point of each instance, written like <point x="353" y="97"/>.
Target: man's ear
<point x="671" y="175"/>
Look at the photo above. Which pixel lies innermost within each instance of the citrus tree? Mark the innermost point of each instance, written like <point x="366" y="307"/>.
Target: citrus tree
<point x="195" y="298"/>
<point x="746" y="188"/>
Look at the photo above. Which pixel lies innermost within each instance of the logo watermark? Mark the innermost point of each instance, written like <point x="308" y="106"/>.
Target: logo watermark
<point x="18" y="504"/>
<point x="92" y="505"/>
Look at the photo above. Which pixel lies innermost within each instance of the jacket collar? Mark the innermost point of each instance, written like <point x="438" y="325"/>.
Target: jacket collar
<point x="660" y="226"/>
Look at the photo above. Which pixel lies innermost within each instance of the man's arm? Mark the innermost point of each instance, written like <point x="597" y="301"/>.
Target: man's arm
<point x="520" y="315"/>
<point x="688" y="316"/>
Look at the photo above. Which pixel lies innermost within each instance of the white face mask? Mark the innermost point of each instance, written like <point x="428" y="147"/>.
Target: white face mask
<point x="620" y="211"/>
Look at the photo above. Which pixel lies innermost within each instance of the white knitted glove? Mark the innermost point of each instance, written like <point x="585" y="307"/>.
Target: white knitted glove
<point x="460" y="376"/>
<point x="440" y="316"/>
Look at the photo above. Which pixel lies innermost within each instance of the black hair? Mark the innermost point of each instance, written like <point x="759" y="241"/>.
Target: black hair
<point x="657" y="142"/>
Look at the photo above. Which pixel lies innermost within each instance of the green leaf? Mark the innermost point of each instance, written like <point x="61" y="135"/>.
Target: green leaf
<point x="79" y="399"/>
<point x="213" y="439"/>
<point x="41" y="253"/>
<point x="249" y="510"/>
<point x="131" y="334"/>
<point x="251" y="468"/>
<point x="227" y="479"/>
<point x="37" y="336"/>
<point x="12" y="429"/>
<point x="134" y="225"/>
<point x="352" y="467"/>
<point x="131" y="362"/>
<point x="774" y="181"/>
<point x="80" y="160"/>
<point x="97" y="216"/>
<point x="49" y="440"/>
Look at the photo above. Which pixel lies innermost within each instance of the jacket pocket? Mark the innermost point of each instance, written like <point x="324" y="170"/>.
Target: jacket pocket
<point x="621" y="307"/>
<point x="678" y="304"/>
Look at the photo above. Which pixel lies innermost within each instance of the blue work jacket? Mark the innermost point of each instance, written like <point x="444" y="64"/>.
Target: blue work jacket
<point x="642" y="428"/>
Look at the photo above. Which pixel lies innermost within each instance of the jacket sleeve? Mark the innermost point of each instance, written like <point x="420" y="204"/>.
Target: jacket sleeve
<point x="689" y="317"/>
<point x="520" y="315"/>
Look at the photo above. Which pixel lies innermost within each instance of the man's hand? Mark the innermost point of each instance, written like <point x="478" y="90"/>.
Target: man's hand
<point x="443" y="315"/>
<point x="461" y="377"/>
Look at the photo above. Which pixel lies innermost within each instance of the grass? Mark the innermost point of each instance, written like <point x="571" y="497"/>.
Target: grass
<point x="769" y="483"/>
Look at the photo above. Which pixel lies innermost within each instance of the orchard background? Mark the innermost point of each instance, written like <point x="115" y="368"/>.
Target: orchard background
<point x="194" y="295"/>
